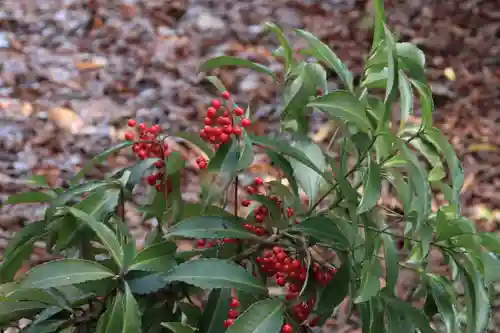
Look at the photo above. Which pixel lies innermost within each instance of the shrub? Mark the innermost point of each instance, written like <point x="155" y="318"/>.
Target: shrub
<point x="279" y="253"/>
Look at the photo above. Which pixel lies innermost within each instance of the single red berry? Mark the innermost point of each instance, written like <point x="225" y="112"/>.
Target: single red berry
<point x="159" y="164"/>
<point x="233" y="314"/>
<point x="228" y="129"/>
<point x="223" y="138"/>
<point x="207" y="121"/>
<point x="226" y="95"/>
<point x="152" y="180"/>
<point x="245" y="122"/>
<point x="277" y="249"/>
<point x="224" y="121"/>
<point x="142" y="154"/>
<point x="287" y="329"/>
<point x="129" y="136"/>
<point x="228" y="322"/>
<point x="237" y="130"/>
<point x="201" y="243"/>
<point x="259" y="218"/>
<point x="238" y="111"/>
<point x="280" y="281"/>
<point x="216" y="103"/>
<point x="234" y="303"/>
<point x="245" y="203"/>
<point x="131" y="122"/>
<point x="211" y="112"/>
<point x="142" y="126"/>
<point x="258" y="181"/>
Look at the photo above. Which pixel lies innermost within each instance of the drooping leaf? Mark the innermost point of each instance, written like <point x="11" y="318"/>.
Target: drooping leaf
<point x="131" y="313"/>
<point x="406" y="95"/>
<point x="210" y="227"/>
<point x="344" y="106"/>
<point x="426" y="102"/>
<point x="372" y="185"/>
<point x="370" y="283"/>
<point x="247" y="156"/>
<point x="307" y="178"/>
<point x="444" y="297"/>
<point x="30" y="197"/>
<point x="284" y="43"/>
<point x="284" y="166"/>
<point x="10" y="311"/>
<point x="112" y="319"/>
<point x="196" y="140"/>
<point x="99" y="159"/>
<point x="323" y="53"/>
<point x="215" y="312"/>
<point x="405" y="309"/>
<point x="391" y="261"/>
<point x="215" y="273"/>
<point x="158" y="257"/>
<point x="326" y="230"/>
<point x="223" y="61"/>
<point x="105" y="234"/>
<point x="413" y="59"/>
<point x="64" y="272"/>
<point x="138" y="171"/>
<point x="491" y="242"/>
<point x="261" y="317"/>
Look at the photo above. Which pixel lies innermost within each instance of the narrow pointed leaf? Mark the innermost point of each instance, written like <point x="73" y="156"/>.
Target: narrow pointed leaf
<point x="158" y="257"/>
<point x="426" y="102"/>
<point x="105" y="234"/>
<point x="64" y="272"/>
<point x="215" y="312"/>
<point x="284" y="43"/>
<point x="325" y="230"/>
<point x="344" y="106"/>
<point x="210" y="227"/>
<point x="372" y="185"/>
<point x="223" y="61"/>
<point x="215" y="273"/>
<point x="30" y="197"/>
<point x="131" y="313"/>
<point x="112" y="319"/>
<point x="178" y="328"/>
<point x="261" y="317"/>
<point x="406" y="95"/>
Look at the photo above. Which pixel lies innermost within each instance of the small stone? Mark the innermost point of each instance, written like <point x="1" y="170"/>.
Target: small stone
<point x="207" y="22"/>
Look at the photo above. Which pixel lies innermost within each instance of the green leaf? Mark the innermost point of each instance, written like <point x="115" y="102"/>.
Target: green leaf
<point x="112" y="319"/>
<point x="282" y="164"/>
<point x="406" y="310"/>
<point x="491" y="267"/>
<point x="335" y="291"/>
<point x="138" y="171"/>
<point x="476" y="296"/>
<point x="214" y="80"/>
<point x="247" y="155"/>
<point x="51" y="296"/>
<point x="100" y="158"/>
<point x="215" y="311"/>
<point x="10" y="311"/>
<point x="284" y="43"/>
<point x="142" y="282"/>
<point x="372" y="185"/>
<point x="411" y="57"/>
<point x="325" y="230"/>
<point x="307" y="178"/>
<point x="344" y="106"/>
<point x="392" y="66"/>
<point x="100" y="203"/>
<point x="444" y="296"/>
<point x="491" y="242"/>
<point x="158" y="257"/>
<point x="211" y="227"/>
<point x="261" y="317"/>
<point x="178" y="327"/>
<point x="30" y="197"/>
<point x="323" y="53"/>
<point x="106" y="235"/>
<point x="223" y="61"/>
<point x="196" y="140"/>
<point x="426" y="102"/>
<point x="63" y="272"/>
<point x="391" y="261"/>
<point x="378" y="32"/>
<point x="283" y="147"/>
<point x="406" y="94"/>
<point x="217" y="161"/>
<point x="215" y="273"/>
<point x="370" y="283"/>
<point x="396" y="323"/>
<point x="131" y="313"/>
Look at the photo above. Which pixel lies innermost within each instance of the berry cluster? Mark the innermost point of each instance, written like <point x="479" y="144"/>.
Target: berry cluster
<point x="201" y="162"/>
<point x="219" y="122"/>
<point x="232" y="313"/>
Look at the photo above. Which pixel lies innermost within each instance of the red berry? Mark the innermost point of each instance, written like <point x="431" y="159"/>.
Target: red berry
<point x="224" y="121"/>
<point x="228" y="129"/>
<point x="201" y="243"/>
<point x="142" y="126"/>
<point x="259" y="218"/>
<point x="234" y="303"/>
<point x="131" y="122"/>
<point x="280" y="281"/>
<point x="207" y="121"/>
<point x="211" y="112"/>
<point x="152" y="179"/>
<point x="233" y="314"/>
<point x="159" y="164"/>
<point x="216" y="103"/>
<point x="277" y="249"/>
<point x="245" y="122"/>
<point x="142" y="154"/>
<point x="287" y="329"/>
<point x="223" y="138"/>
<point x="228" y="322"/>
<point x="258" y="181"/>
<point x="129" y="136"/>
<point x="237" y="130"/>
<point x="226" y="95"/>
<point x="245" y="203"/>
<point x="238" y="111"/>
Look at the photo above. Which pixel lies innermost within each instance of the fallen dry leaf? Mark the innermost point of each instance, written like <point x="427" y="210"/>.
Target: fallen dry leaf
<point x="89" y="65"/>
<point x="477" y="147"/>
<point x="66" y="119"/>
<point x="449" y="73"/>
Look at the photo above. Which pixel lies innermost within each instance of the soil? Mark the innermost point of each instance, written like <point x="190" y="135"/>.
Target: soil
<point x="73" y="71"/>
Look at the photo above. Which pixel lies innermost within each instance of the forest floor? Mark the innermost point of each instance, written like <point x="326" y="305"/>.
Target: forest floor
<point x="72" y="72"/>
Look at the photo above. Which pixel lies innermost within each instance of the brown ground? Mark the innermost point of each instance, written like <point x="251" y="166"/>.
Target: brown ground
<point x="73" y="71"/>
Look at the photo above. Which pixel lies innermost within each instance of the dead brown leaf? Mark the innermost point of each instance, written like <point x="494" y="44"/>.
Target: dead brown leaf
<point x="66" y="120"/>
